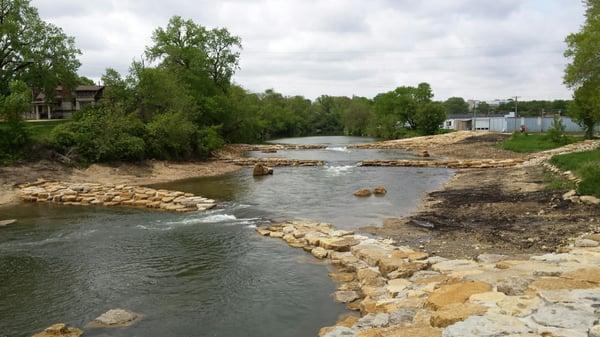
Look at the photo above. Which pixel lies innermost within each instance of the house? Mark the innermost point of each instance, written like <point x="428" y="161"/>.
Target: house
<point x="65" y="102"/>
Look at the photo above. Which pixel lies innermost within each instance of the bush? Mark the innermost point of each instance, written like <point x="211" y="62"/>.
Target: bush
<point x="209" y="140"/>
<point x="97" y="134"/>
<point x="13" y="132"/>
<point x="171" y="136"/>
<point x="590" y="179"/>
<point x="556" y="133"/>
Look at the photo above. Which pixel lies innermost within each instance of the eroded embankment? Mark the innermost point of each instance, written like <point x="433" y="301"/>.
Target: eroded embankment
<point x="402" y="292"/>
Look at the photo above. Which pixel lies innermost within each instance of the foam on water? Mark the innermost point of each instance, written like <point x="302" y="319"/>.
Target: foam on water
<point x="339" y="170"/>
<point x="338" y="149"/>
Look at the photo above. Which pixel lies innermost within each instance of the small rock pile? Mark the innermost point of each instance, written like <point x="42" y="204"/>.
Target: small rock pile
<point x="452" y="164"/>
<point x="573" y="197"/>
<point x="401" y="292"/>
<point x="113" y="195"/>
<point x="365" y="192"/>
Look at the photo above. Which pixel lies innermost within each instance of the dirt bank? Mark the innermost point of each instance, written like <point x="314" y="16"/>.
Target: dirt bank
<point x="150" y="172"/>
<point x="455" y="145"/>
<point x="505" y="210"/>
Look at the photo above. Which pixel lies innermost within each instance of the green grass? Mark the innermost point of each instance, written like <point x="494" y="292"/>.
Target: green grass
<point x="585" y="165"/>
<point x="40" y="131"/>
<point x="555" y="182"/>
<point x="528" y="143"/>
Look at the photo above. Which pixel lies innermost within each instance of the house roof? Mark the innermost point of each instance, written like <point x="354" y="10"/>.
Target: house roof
<point x="470" y="116"/>
<point x="41" y="97"/>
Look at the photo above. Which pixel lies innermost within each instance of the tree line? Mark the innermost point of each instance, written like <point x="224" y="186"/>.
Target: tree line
<point x="179" y="101"/>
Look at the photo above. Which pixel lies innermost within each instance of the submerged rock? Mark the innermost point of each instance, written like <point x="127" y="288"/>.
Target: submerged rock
<point x="380" y="190"/>
<point x="59" y="330"/>
<point x="363" y="193"/>
<point x="7" y="222"/>
<point x="115" y="318"/>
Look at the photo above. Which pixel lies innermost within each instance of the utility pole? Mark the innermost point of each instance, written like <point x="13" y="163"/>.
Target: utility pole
<point x="516" y="110"/>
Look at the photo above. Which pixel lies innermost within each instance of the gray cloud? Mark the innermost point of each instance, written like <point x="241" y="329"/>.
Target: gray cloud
<point x="470" y="48"/>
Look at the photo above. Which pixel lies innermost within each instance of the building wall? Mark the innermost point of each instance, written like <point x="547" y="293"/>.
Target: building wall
<point x="511" y="124"/>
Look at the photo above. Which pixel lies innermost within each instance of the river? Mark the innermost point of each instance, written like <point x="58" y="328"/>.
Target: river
<point x="203" y="274"/>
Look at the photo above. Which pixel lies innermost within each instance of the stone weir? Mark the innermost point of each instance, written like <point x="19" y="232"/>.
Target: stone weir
<point x="401" y="292"/>
<point x="452" y="164"/>
<point x="113" y="195"/>
<point x="275" y="162"/>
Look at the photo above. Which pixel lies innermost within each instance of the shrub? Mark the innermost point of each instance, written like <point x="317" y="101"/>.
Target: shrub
<point x="171" y="136"/>
<point x="209" y="140"/>
<point x="556" y="133"/>
<point x="590" y="183"/>
<point x="98" y="134"/>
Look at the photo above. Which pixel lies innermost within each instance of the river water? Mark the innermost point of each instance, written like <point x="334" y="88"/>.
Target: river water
<point x="203" y="274"/>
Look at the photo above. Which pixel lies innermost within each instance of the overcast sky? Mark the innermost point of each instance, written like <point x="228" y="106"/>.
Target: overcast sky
<point x="483" y="49"/>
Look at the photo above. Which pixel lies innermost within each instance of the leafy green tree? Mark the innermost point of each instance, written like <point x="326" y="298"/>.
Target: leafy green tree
<point x="33" y="51"/>
<point x="356" y="116"/>
<point x="429" y="117"/>
<point x="583" y="71"/>
<point x="171" y="136"/>
<point x="483" y="108"/>
<point x="13" y="133"/>
<point x="585" y="108"/>
<point x="200" y="55"/>
<point x="456" y="106"/>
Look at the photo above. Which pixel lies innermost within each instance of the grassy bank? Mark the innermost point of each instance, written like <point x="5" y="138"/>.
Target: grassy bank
<point x="585" y="165"/>
<point x="528" y="143"/>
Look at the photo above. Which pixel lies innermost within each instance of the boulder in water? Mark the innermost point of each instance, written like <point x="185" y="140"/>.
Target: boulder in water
<point x="380" y="190"/>
<point x="261" y="170"/>
<point x="59" y="330"/>
<point x="115" y="318"/>
<point x="425" y="154"/>
<point x="362" y="193"/>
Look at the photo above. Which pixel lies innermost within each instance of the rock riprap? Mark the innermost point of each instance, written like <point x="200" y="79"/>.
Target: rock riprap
<point x="274" y="162"/>
<point x="113" y="195"/>
<point x="453" y="164"/>
<point x="399" y="291"/>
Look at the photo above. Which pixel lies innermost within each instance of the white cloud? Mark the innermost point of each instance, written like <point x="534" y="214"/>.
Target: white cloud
<point x="470" y="48"/>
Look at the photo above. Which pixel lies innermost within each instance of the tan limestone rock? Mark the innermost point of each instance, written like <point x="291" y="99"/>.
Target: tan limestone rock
<point x="342" y="277"/>
<point x="584" y="274"/>
<point x="363" y="193"/>
<point x="455" y="293"/>
<point x="401" y="331"/>
<point x="319" y="252"/>
<point x="558" y="283"/>
<point x="380" y="190"/>
<point x="455" y="312"/>
<point x="338" y="244"/>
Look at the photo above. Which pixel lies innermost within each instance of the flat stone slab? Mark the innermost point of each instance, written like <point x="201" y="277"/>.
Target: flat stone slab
<point x="115" y="318"/>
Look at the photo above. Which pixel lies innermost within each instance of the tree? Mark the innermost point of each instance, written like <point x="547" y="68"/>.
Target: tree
<point x="585" y="108"/>
<point x="197" y="53"/>
<point x="456" y="106"/>
<point x="583" y="72"/>
<point x="13" y="134"/>
<point x="33" y="51"/>
<point x="430" y="116"/>
<point x="356" y="116"/>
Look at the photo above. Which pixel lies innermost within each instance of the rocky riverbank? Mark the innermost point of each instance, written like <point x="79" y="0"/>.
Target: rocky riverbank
<point x="112" y="195"/>
<point x="452" y="164"/>
<point x="402" y="292"/>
